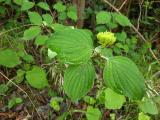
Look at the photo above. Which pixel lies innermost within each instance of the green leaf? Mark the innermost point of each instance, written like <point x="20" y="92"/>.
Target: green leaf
<point x="103" y="17"/>
<point x="78" y="80"/>
<point x="72" y="13"/>
<point x="14" y="101"/>
<point x="107" y="52"/>
<point x="51" y="54"/>
<point x="18" y="100"/>
<point x="2" y="1"/>
<point x="122" y="75"/>
<point x="112" y="25"/>
<point x="20" y="76"/>
<point x="9" y="58"/>
<point x="55" y="104"/>
<point x="93" y="113"/>
<point x="113" y="100"/>
<point x="148" y="106"/>
<point x="69" y="42"/>
<point x="142" y="116"/>
<point x="41" y="39"/>
<point x="122" y="20"/>
<point x="26" y="5"/>
<point x="35" y="18"/>
<point x="62" y="16"/>
<point x="3" y="89"/>
<point x="18" y="2"/>
<point x="43" y="5"/>
<point x="89" y="100"/>
<point x="59" y="7"/>
<point x="2" y="10"/>
<point x="119" y="45"/>
<point x="31" y="33"/>
<point x="37" y="78"/>
<point x="48" y="18"/>
<point x="59" y="27"/>
<point x="121" y="36"/>
<point x="28" y="58"/>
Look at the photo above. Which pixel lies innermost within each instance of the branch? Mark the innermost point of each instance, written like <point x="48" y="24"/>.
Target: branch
<point x="122" y="5"/>
<point x="20" y="90"/>
<point x="135" y="29"/>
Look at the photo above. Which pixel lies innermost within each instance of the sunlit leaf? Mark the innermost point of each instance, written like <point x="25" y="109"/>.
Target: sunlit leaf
<point x="113" y="100"/>
<point x="122" y="75"/>
<point x="93" y="113"/>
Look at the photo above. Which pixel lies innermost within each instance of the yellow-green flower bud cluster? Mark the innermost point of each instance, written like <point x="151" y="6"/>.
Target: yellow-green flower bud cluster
<point x="106" y="38"/>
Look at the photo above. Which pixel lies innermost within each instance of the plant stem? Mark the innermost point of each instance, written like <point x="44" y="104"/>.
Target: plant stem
<point x="135" y="29"/>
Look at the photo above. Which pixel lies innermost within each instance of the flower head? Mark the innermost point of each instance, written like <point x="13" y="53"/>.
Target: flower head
<point x="106" y="38"/>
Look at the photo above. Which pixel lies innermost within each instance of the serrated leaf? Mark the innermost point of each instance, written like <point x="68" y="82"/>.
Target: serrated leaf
<point x="103" y="17"/>
<point x="26" y="5"/>
<point x="59" y="7"/>
<point x="122" y="75"/>
<point x="78" y="80"/>
<point x="9" y="58"/>
<point x="31" y="33"/>
<point x="43" y="5"/>
<point x="48" y="18"/>
<point x="113" y="100"/>
<point x="41" y="39"/>
<point x="72" y="13"/>
<point x="69" y="42"/>
<point x="37" y="78"/>
<point x="121" y="36"/>
<point x="35" y="18"/>
<point x="112" y="25"/>
<point x="122" y="20"/>
<point x="93" y="113"/>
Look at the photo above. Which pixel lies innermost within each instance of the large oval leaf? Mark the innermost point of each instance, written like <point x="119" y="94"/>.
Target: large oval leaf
<point x="123" y="76"/>
<point x="78" y="80"/>
<point x="72" y="45"/>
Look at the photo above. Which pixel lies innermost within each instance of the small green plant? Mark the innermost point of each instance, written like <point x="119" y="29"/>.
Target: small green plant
<point x="80" y="52"/>
<point x="14" y="101"/>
